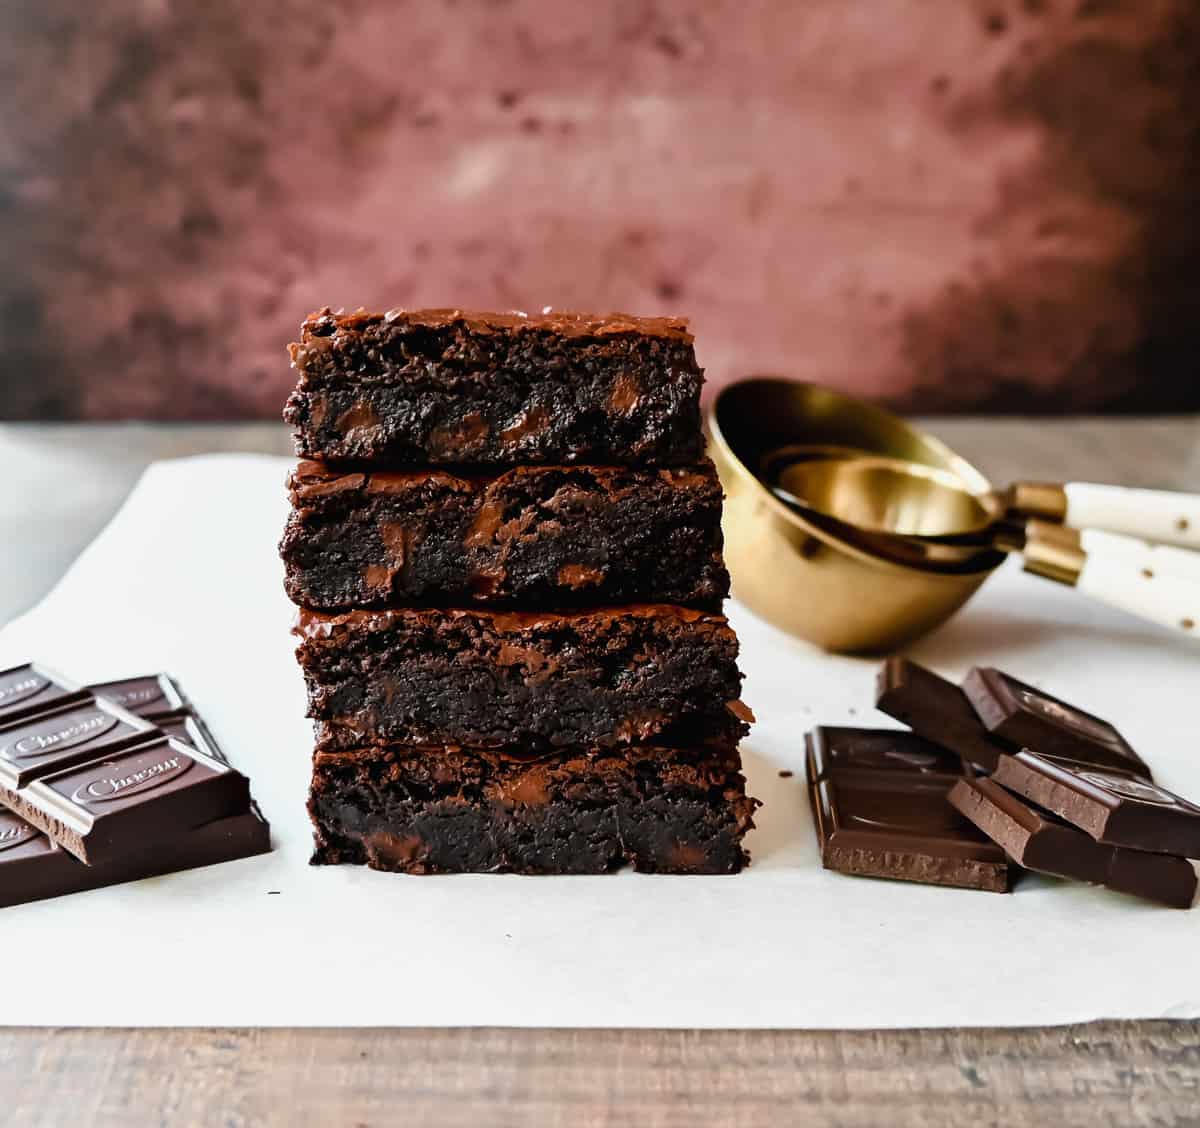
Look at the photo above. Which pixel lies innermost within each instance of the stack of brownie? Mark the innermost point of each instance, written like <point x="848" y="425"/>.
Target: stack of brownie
<point x="505" y="545"/>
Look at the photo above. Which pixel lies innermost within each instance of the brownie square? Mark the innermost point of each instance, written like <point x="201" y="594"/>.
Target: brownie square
<point x="447" y="810"/>
<point x="538" y="537"/>
<point x="446" y="386"/>
<point x="642" y="672"/>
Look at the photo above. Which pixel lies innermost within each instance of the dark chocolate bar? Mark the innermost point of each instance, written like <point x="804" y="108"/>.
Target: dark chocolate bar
<point x="879" y="804"/>
<point x="1041" y="841"/>
<point x="1115" y="807"/>
<point x="130" y="800"/>
<point x="31" y="688"/>
<point x="72" y="733"/>
<point x="936" y="709"/>
<point x="1024" y="717"/>
<point x="148" y="696"/>
<point x="33" y="868"/>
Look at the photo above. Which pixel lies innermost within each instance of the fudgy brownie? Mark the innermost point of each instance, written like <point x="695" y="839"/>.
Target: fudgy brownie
<point x="552" y="536"/>
<point x="446" y="386"/>
<point x="641" y="672"/>
<point x="409" y="810"/>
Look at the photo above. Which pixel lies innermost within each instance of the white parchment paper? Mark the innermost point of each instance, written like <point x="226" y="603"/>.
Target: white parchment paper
<point x="186" y="579"/>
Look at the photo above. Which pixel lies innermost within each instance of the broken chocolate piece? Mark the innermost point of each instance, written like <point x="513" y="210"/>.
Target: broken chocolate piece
<point x="1115" y="807"/>
<point x="879" y="804"/>
<point x="936" y="709"/>
<point x="1041" y="841"/>
<point x="1024" y="717"/>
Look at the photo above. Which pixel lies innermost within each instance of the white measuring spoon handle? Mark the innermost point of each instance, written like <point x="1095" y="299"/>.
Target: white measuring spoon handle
<point x="1172" y="601"/>
<point x="1166" y="559"/>
<point x="1157" y="515"/>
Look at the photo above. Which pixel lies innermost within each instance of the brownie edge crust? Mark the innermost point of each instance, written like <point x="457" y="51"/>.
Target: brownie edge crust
<point x="450" y="387"/>
<point x="405" y="810"/>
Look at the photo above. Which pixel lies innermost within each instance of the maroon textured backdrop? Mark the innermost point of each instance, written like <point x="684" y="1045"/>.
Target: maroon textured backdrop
<point x="944" y="203"/>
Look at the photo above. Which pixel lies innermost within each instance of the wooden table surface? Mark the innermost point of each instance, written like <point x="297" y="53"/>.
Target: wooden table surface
<point x="62" y="482"/>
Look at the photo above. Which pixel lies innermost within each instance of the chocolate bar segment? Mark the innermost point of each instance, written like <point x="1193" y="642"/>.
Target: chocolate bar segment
<point x="880" y="810"/>
<point x="131" y="800"/>
<point x="1024" y="717"/>
<point x="1041" y="841"/>
<point x="74" y="732"/>
<point x="147" y="695"/>
<point x="658" y="673"/>
<point x="414" y="810"/>
<point x="936" y="709"/>
<point x="444" y="386"/>
<point x="553" y="536"/>
<point x="188" y="727"/>
<point x="32" y="688"/>
<point x="1115" y="807"/>
<point x="33" y="868"/>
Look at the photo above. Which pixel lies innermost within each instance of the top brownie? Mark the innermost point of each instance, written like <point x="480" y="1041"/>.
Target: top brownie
<point x="491" y="389"/>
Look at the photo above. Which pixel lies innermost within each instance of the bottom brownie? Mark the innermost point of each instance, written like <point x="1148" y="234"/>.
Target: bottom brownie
<point x="422" y="810"/>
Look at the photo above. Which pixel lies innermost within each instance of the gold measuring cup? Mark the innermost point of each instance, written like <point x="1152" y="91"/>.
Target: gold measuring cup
<point x="902" y="511"/>
<point x="903" y="505"/>
<point x="797" y="571"/>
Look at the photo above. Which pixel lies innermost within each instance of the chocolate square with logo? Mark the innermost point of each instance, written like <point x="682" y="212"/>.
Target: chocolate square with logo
<point x="20" y="840"/>
<point x="32" y="688"/>
<point x="1024" y="717"/>
<point x="74" y="732"/>
<point x="132" y="799"/>
<point x="880" y="810"/>
<point x="1119" y="808"/>
<point x="147" y="696"/>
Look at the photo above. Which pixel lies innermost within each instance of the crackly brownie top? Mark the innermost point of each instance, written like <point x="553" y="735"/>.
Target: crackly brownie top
<point x="562" y="323"/>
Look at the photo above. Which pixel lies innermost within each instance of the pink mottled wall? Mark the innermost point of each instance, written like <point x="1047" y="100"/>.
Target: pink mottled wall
<point x="944" y="203"/>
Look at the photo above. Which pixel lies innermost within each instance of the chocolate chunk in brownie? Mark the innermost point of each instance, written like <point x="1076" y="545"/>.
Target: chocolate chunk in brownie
<point x="641" y="672"/>
<point x="553" y="536"/>
<point x="419" y="810"/>
<point x="445" y="386"/>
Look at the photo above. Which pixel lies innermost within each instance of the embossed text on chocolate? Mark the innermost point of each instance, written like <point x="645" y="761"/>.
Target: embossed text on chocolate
<point x="106" y="788"/>
<point x="22" y="688"/>
<point x="82" y="730"/>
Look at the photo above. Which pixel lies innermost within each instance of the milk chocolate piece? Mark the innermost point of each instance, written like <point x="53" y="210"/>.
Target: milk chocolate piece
<point x="147" y="695"/>
<point x="73" y="732"/>
<point x="880" y="810"/>
<point x="1120" y="808"/>
<point x="936" y="709"/>
<point x="32" y="688"/>
<point x="1041" y="841"/>
<point x="423" y="387"/>
<point x="1024" y="717"/>
<point x="34" y="868"/>
<point x="130" y="800"/>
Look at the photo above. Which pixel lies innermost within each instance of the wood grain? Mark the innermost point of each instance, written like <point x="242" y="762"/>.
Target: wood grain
<point x="1106" y="1073"/>
<point x="1096" y="1075"/>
